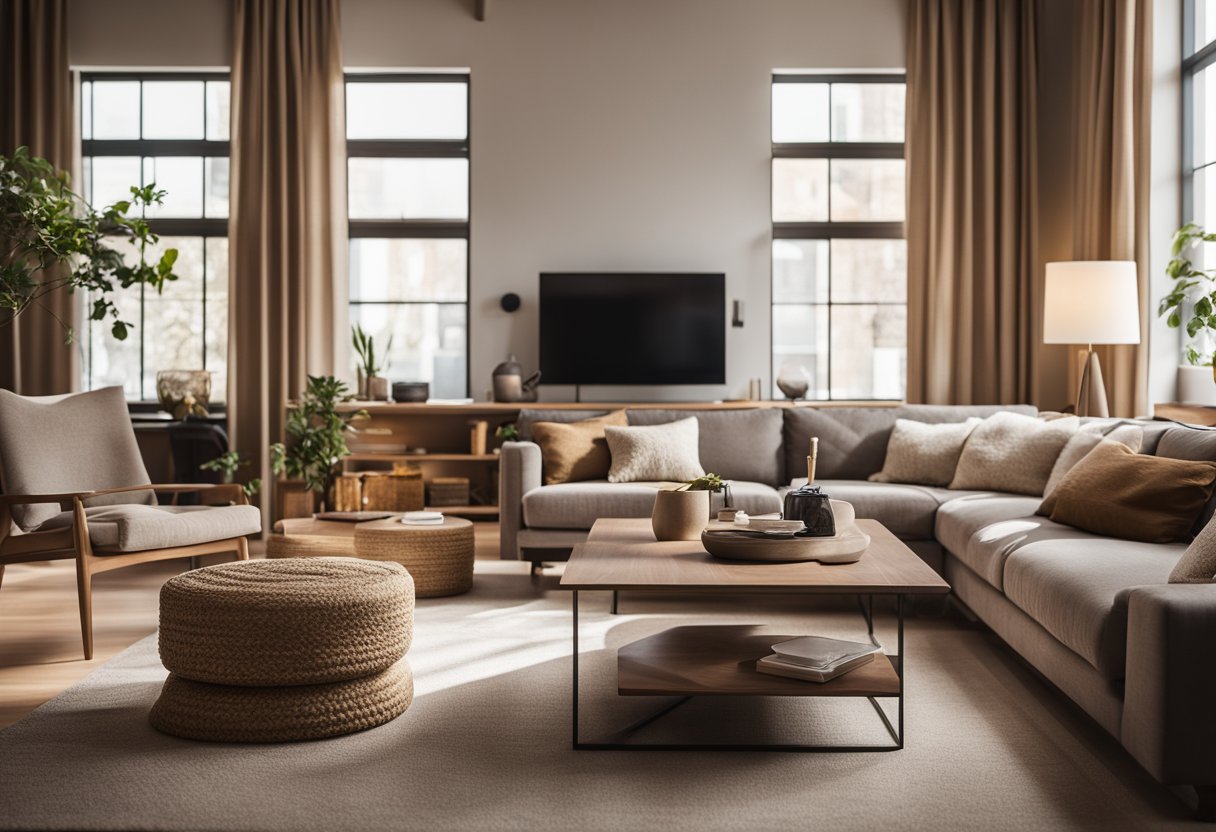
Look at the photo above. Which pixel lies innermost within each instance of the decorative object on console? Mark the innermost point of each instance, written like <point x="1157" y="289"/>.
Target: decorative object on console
<point x="372" y="386"/>
<point x="921" y="453"/>
<point x="510" y="384"/>
<point x="448" y="491"/>
<point x="655" y="453"/>
<point x="787" y="541"/>
<point x="575" y="451"/>
<point x="1091" y="302"/>
<point x="184" y="393"/>
<point x="479" y="430"/>
<point x="793" y="380"/>
<point x="411" y="391"/>
<point x="1011" y="452"/>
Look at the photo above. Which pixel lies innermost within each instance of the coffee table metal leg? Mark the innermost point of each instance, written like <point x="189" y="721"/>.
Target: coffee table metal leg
<point x="574" y="698"/>
<point x="615" y="601"/>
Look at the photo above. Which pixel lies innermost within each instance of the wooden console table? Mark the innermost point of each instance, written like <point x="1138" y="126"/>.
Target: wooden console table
<point x="1192" y="414"/>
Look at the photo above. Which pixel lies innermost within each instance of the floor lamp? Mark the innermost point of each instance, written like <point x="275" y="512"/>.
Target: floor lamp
<point x="1091" y="302"/>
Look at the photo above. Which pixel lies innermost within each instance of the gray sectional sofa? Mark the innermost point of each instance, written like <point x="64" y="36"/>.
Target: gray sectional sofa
<point x="1096" y="616"/>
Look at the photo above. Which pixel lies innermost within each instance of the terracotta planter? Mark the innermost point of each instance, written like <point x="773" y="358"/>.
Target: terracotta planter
<point x="680" y="515"/>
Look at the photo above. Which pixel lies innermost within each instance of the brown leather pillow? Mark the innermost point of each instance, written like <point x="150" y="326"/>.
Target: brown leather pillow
<point x="1116" y="492"/>
<point x="576" y="451"/>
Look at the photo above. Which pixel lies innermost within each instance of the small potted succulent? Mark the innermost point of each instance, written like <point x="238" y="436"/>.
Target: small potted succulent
<point x="682" y="513"/>
<point x="372" y="385"/>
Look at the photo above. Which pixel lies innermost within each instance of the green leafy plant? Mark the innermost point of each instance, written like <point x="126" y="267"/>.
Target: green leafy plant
<point x="365" y="348"/>
<point x="1194" y="288"/>
<point x="52" y="239"/>
<point x="316" y="434"/>
<point x="709" y="482"/>
<point x="228" y="464"/>
<point x="507" y="433"/>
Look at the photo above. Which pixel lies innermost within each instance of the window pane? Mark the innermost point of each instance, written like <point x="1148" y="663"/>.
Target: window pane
<point x="800" y="112"/>
<point x="406" y="111"/>
<point x="869" y="352"/>
<point x="116" y="109"/>
<point x="867" y="189"/>
<point x="86" y="110"/>
<point x="867" y="112"/>
<point x="173" y="110"/>
<point x="113" y="362"/>
<point x="215" y="333"/>
<point x="800" y="190"/>
<point x="182" y="177"/>
<point x="869" y="271"/>
<point x="1205" y="23"/>
<point x="409" y="188"/>
<point x="111" y="179"/>
<point x="429" y="342"/>
<point x="173" y="319"/>
<point x="800" y="271"/>
<point x="800" y="340"/>
<point x="218" y="114"/>
<point x="407" y="269"/>
<point x="216" y="172"/>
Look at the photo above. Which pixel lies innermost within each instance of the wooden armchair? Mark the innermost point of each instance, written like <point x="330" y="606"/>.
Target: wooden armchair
<point x="52" y="509"/>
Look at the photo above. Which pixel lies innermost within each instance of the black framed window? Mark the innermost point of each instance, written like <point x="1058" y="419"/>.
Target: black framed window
<point x="408" y="208"/>
<point x="839" y="258"/>
<point x="171" y="129"/>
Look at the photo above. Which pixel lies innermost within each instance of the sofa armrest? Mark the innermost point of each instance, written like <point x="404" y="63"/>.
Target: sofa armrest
<point x="519" y="472"/>
<point x="1169" y="723"/>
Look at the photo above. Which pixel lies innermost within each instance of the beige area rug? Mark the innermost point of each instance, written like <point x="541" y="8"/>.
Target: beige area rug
<point x="486" y="744"/>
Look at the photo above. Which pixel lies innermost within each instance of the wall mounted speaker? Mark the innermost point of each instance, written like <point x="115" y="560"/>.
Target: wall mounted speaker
<point x="509" y="302"/>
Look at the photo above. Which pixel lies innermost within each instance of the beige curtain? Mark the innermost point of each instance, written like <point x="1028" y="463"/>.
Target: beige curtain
<point x="973" y="296"/>
<point x="1111" y="152"/>
<point x="36" y="111"/>
<point x="287" y="226"/>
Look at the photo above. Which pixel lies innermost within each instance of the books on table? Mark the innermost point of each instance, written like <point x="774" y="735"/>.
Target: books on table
<point x="422" y="518"/>
<point x="816" y="658"/>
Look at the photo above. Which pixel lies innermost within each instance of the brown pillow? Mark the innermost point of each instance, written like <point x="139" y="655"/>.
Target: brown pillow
<point x="1116" y="492"/>
<point x="576" y="451"/>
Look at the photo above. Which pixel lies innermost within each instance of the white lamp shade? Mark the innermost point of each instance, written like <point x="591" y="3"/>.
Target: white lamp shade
<point x="1091" y="302"/>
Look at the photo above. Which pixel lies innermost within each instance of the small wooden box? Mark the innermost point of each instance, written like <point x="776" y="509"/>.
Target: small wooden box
<point x="392" y="492"/>
<point x="449" y="491"/>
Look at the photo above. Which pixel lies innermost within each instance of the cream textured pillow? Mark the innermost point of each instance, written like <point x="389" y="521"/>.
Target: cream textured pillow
<point x="923" y="453"/>
<point x="1084" y="441"/>
<point x="1011" y="452"/>
<point x="1198" y="563"/>
<point x="647" y="453"/>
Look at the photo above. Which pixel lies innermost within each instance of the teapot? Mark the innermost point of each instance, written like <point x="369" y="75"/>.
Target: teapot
<point x="510" y="384"/>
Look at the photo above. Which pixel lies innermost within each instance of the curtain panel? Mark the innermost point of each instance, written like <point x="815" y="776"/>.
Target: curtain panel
<point x="36" y="111"/>
<point x="974" y="297"/>
<point x="287" y="222"/>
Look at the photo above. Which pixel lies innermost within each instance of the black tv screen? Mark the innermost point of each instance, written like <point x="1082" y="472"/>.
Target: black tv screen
<point x="632" y="328"/>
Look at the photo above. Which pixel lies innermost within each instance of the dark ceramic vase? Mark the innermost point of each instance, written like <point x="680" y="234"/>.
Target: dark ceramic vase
<point x="814" y="508"/>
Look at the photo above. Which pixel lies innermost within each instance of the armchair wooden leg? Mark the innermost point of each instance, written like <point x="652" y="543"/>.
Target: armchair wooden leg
<point x="242" y="549"/>
<point x="1" y="574"/>
<point x="84" y="591"/>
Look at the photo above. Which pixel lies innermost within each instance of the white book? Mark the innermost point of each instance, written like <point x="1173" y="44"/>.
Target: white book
<point x="821" y="652"/>
<point x="422" y="518"/>
<point x="774" y="666"/>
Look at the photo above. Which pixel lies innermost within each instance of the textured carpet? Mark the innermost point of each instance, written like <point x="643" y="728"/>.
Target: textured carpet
<point x="486" y="743"/>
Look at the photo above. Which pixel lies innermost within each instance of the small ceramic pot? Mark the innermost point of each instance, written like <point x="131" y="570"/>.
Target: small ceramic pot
<point x="377" y="389"/>
<point x="680" y="515"/>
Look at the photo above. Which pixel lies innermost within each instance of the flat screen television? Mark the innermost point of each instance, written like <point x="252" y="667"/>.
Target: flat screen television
<point x="632" y="328"/>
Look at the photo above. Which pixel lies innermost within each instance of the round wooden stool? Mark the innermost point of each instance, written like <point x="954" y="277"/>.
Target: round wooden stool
<point x="439" y="558"/>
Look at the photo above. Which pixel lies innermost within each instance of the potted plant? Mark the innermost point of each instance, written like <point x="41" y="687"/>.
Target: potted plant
<point x="681" y="513"/>
<point x="372" y="385"/>
<point x="316" y="436"/>
<point x="53" y="239"/>
<point x="1193" y="299"/>
<point x="227" y="464"/>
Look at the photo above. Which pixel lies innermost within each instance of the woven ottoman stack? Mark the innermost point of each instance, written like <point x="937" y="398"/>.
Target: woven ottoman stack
<point x="284" y="650"/>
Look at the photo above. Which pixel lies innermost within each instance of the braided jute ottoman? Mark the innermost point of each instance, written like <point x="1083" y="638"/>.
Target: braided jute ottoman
<point x="440" y="558"/>
<point x="284" y="649"/>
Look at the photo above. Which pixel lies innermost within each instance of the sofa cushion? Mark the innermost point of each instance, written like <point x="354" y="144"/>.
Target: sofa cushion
<point x="1193" y="443"/>
<point x="577" y="505"/>
<point x="63" y="444"/>
<point x="530" y="416"/>
<point x="1077" y="588"/>
<point x="575" y="451"/>
<point x="982" y="529"/>
<point x="853" y="440"/>
<point x="136" y="528"/>
<point x="1013" y="453"/>
<point x="734" y="444"/>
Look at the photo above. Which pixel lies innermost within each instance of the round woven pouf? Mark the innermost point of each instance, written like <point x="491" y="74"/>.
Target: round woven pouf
<point x="440" y="558"/>
<point x="227" y="713"/>
<point x="300" y="621"/>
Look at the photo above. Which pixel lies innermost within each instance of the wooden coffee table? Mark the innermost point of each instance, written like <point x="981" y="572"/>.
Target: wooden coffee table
<point x="685" y="662"/>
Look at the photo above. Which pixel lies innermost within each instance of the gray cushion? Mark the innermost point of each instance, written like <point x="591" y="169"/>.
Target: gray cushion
<point x="1194" y="443"/>
<point x="76" y="443"/>
<point x="136" y="528"/>
<point x="983" y="529"/>
<point x="853" y="440"/>
<point x="530" y="416"/>
<point x="907" y="510"/>
<point x="1077" y="588"/>
<point x="577" y="505"/>
<point x="734" y="444"/>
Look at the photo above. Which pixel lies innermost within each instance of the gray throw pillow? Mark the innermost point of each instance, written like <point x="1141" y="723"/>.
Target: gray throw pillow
<point x="662" y="453"/>
<point x="1193" y="443"/>
<point x="742" y="444"/>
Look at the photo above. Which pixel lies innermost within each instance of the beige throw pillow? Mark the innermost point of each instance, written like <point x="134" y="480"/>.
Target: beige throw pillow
<point x="1011" y="452"/>
<point x="922" y="453"/>
<point x="575" y="451"/>
<point x="1084" y="441"/>
<point x="649" y="453"/>
<point x="1198" y="563"/>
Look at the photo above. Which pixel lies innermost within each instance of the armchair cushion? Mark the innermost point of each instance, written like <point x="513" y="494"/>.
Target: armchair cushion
<point x="76" y="443"/>
<point x="138" y="528"/>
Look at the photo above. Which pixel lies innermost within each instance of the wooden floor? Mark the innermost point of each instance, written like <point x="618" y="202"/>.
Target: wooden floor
<point x="40" y="648"/>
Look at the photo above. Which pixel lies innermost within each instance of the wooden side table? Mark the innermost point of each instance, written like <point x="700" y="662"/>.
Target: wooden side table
<point x="439" y="557"/>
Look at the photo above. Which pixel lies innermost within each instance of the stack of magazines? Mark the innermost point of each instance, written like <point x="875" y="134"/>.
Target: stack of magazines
<point x="816" y="659"/>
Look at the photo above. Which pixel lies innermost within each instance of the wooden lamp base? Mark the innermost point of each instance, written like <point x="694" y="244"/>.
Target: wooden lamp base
<point x="1091" y="394"/>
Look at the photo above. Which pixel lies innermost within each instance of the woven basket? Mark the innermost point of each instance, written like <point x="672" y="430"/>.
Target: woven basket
<point x="298" y="621"/>
<point x="225" y="713"/>
<point x="390" y="492"/>
<point x="439" y="558"/>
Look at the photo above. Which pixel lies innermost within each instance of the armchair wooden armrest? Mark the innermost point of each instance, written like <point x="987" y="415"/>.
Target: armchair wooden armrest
<point x="225" y="491"/>
<point x="25" y="499"/>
